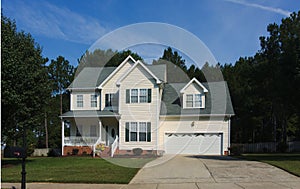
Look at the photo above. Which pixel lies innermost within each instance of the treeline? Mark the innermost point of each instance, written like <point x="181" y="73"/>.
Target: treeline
<point x="265" y="88"/>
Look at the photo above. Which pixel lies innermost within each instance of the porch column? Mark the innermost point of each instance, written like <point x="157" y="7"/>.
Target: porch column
<point x="100" y="128"/>
<point x="62" y="136"/>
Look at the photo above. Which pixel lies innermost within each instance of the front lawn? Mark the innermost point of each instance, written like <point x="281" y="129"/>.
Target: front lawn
<point x="71" y="170"/>
<point x="288" y="162"/>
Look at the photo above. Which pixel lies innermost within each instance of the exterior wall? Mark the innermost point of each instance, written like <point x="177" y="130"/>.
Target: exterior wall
<point x="86" y="100"/>
<point x="110" y="86"/>
<point x="193" y="125"/>
<point x="193" y="89"/>
<point x="138" y="112"/>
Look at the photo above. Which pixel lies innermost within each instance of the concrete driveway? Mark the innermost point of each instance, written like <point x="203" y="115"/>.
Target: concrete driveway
<point x="211" y="172"/>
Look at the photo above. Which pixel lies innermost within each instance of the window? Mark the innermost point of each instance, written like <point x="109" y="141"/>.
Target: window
<point x="143" y="95"/>
<point x="108" y="99"/>
<point x="134" y="96"/>
<point x="198" y="100"/>
<point x="93" y="131"/>
<point x="193" y="101"/>
<point x="189" y="101"/>
<point x="138" y="95"/>
<point x="138" y="132"/>
<point x="94" y="100"/>
<point x="79" y="100"/>
<point x="133" y="131"/>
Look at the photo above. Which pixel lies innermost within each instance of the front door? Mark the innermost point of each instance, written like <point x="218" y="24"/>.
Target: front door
<point x="111" y="133"/>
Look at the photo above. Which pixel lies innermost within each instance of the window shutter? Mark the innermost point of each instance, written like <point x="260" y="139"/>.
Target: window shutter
<point x="148" y="131"/>
<point x="127" y="96"/>
<point x="127" y="132"/>
<point x="106" y="100"/>
<point x="149" y="95"/>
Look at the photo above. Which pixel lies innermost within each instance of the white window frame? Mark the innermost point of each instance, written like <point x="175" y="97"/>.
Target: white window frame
<point x="79" y="102"/>
<point x="138" y="131"/>
<point x="201" y="105"/>
<point x="139" y="95"/>
<point x="109" y="101"/>
<point x="94" y="100"/>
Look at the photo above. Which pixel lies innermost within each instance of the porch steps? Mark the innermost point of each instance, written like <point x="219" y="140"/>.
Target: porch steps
<point x="106" y="152"/>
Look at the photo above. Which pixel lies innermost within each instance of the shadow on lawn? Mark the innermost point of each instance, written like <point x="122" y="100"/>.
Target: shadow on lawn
<point x="6" y="163"/>
<point x="252" y="157"/>
<point x="271" y="157"/>
<point x="223" y="158"/>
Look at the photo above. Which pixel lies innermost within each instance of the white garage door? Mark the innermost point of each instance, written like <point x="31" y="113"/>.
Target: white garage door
<point x="193" y="143"/>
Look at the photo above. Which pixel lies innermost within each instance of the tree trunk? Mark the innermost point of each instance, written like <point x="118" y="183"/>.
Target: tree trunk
<point x="60" y="103"/>
<point x="46" y="129"/>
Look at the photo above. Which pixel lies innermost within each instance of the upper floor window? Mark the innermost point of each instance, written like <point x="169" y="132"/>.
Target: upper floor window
<point x="94" y="100"/>
<point x="138" y="132"/>
<point x="79" y="100"/>
<point x="108" y="99"/>
<point x="138" y="95"/>
<point x="193" y="101"/>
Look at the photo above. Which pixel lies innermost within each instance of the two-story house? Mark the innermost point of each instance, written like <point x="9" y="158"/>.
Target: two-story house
<point x="134" y="106"/>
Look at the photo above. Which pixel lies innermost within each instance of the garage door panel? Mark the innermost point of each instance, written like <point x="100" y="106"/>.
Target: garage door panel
<point x="198" y="144"/>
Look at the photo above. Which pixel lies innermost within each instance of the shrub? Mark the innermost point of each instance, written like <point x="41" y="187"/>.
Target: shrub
<point x="75" y="151"/>
<point x="137" y="151"/>
<point x="282" y="147"/>
<point x="54" y="153"/>
<point x="235" y="150"/>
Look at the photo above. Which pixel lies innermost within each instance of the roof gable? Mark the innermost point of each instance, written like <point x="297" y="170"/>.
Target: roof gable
<point x="158" y="81"/>
<point x="116" y="70"/>
<point x="192" y="81"/>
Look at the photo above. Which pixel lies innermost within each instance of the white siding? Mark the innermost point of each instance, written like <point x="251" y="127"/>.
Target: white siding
<point x="86" y="100"/>
<point x="110" y="85"/>
<point x="190" y="125"/>
<point x="139" y="112"/>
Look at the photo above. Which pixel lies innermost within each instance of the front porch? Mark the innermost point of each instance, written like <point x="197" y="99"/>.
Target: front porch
<point x="81" y="134"/>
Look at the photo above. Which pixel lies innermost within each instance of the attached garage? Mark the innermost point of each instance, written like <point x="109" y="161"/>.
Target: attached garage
<point x="193" y="143"/>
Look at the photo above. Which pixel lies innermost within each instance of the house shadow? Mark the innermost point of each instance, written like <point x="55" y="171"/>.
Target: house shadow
<point x="212" y="157"/>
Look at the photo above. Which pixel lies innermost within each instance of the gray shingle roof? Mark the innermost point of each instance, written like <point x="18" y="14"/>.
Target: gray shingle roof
<point x="218" y="101"/>
<point x="158" y="70"/>
<point x="89" y="113"/>
<point x="91" y="77"/>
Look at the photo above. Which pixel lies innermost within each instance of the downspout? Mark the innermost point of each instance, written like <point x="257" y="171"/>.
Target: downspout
<point x="229" y="128"/>
<point x="62" y="136"/>
<point x="157" y="118"/>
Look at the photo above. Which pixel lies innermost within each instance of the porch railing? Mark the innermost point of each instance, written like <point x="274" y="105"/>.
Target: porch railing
<point x="114" y="146"/>
<point x="80" y="141"/>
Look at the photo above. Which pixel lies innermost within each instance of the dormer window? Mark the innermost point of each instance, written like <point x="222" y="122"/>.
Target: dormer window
<point x="80" y="101"/>
<point x="193" y="94"/>
<point x="193" y="101"/>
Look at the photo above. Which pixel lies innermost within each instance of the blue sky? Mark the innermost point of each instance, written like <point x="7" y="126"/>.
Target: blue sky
<point x="229" y="28"/>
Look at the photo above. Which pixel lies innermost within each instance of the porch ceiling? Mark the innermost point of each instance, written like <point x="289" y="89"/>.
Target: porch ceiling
<point x="89" y="113"/>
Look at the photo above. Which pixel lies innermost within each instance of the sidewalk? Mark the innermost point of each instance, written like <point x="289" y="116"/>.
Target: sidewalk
<point x="63" y="186"/>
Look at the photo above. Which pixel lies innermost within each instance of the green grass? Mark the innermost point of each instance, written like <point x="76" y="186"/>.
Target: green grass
<point x="72" y="170"/>
<point x="287" y="162"/>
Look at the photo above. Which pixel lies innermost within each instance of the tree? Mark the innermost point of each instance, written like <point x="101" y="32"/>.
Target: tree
<point x="264" y="88"/>
<point x="61" y="74"/>
<point x="104" y="58"/>
<point x="25" y="84"/>
<point x="175" y="58"/>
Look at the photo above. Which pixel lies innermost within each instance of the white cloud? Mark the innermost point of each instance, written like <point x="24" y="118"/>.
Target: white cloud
<point x="44" y="18"/>
<point x="267" y="8"/>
